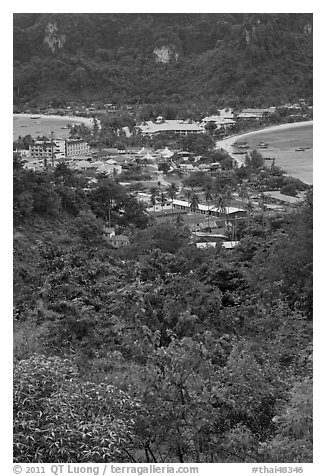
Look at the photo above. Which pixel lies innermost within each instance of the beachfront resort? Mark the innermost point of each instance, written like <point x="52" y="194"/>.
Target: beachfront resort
<point x="150" y="172"/>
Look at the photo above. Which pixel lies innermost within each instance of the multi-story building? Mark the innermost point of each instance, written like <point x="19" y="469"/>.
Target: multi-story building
<point x="75" y="147"/>
<point x="47" y="149"/>
<point x="58" y="149"/>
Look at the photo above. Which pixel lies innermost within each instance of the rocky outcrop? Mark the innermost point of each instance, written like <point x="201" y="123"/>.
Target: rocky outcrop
<point x="165" y="54"/>
<point x="53" y="38"/>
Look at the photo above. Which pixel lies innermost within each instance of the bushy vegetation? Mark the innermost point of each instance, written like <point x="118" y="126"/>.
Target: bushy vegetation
<point x="158" y="351"/>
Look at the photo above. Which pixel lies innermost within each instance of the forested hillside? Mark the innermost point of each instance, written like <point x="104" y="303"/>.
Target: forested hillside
<point x="158" y="351"/>
<point x="252" y="59"/>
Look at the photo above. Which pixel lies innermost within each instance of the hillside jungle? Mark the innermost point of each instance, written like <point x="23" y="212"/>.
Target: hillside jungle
<point x="233" y="60"/>
<point x="157" y="351"/>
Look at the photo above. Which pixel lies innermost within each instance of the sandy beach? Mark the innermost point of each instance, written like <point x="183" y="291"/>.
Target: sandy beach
<point x="43" y="124"/>
<point x="85" y="120"/>
<point x="227" y="143"/>
<point x="282" y="147"/>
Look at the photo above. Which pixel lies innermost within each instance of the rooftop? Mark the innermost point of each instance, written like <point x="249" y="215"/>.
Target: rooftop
<point x="228" y="210"/>
<point x="283" y="198"/>
<point x="151" y="127"/>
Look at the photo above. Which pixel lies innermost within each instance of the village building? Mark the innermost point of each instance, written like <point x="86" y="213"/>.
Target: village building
<point x="250" y="113"/>
<point x="166" y="153"/>
<point x="46" y="149"/>
<point x="74" y="147"/>
<point x="223" y="120"/>
<point x="109" y="168"/>
<point x="117" y="241"/>
<point x="57" y="149"/>
<point x="179" y="127"/>
<point x="230" y="212"/>
<point x="277" y="196"/>
<point x="228" y="245"/>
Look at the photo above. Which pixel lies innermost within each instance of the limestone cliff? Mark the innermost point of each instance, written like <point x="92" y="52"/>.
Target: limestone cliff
<point x="53" y="38"/>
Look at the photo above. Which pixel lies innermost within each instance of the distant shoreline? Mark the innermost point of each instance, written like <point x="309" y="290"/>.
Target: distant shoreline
<point x="85" y="120"/>
<point x="288" y="125"/>
<point x="226" y="143"/>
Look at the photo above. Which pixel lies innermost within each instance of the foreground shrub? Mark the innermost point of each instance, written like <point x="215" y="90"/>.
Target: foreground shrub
<point x="60" y="419"/>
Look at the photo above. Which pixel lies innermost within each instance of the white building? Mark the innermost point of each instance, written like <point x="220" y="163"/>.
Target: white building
<point x="182" y="128"/>
<point x="109" y="169"/>
<point x="255" y="113"/>
<point x="210" y="210"/>
<point x="224" y="119"/>
<point x="74" y="147"/>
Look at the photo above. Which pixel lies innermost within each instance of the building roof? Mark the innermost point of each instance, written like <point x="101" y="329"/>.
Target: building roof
<point x="228" y="210"/>
<point x="108" y="168"/>
<point x="143" y="151"/>
<point x="97" y="163"/>
<point x="218" y="120"/>
<point x="283" y="198"/>
<point x="120" y="238"/>
<point x="166" y="152"/>
<point x="84" y="164"/>
<point x="229" y="245"/>
<point x="151" y="127"/>
<point x="259" y="110"/>
<point x="108" y="229"/>
<point x="208" y="244"/>
<point x="212" y="235"/>
<point x="148" y="156"/>
<point x="75" y="141"/>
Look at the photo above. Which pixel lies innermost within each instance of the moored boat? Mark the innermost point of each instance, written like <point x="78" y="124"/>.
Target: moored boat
<point x="263" y="145"/>
<point x="241" y="145"/>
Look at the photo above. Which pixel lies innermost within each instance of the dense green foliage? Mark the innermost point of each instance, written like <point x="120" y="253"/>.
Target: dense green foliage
<point x="58" y="419"/>
<point x="254" y="59"/>
<point x="158" y="351"/>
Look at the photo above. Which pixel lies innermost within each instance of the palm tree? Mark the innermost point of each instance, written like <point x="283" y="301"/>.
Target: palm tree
<point x="263" y="209"/>
<point x="223" y="198"/>
<point x="172" y="191"/>
<point x="194" y="202"/>
<point x="194" y="206"/>
<point x="163" y="199"/>
<point x="208" y="197"/>
<point x="244" y="193"/>
<point x="249" y="207"/>
<point x="154" y="194"/>
<point x="221" y="203"/>
<point x="188" y="196"/>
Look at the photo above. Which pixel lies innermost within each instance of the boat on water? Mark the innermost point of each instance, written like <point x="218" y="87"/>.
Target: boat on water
<point x="241" y="145"/>
<point x="300" y="149"/>
<point x="263" y="145"/>
<point x="35" y="117"/>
